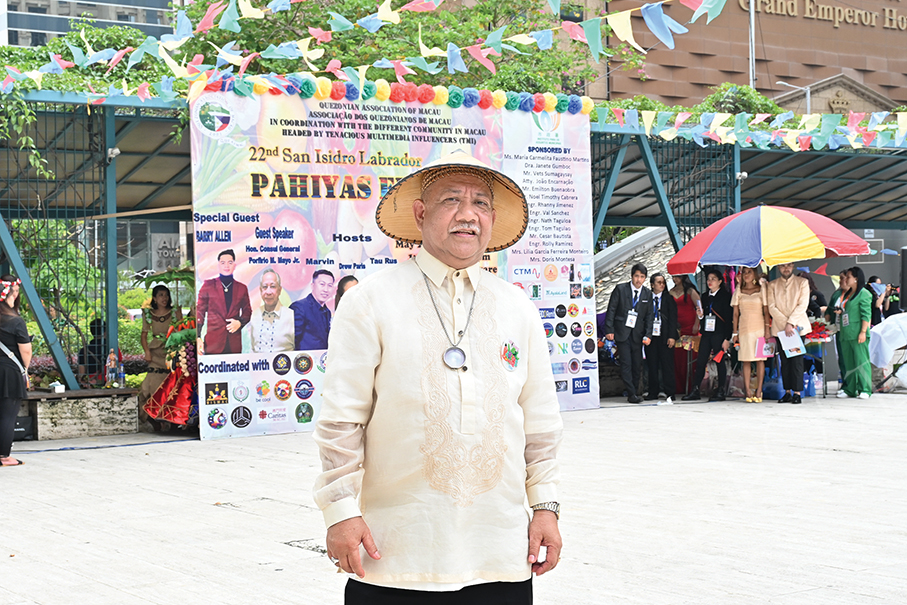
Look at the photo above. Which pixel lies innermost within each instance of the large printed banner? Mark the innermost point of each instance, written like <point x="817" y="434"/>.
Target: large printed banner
<point x="284" y="195"/>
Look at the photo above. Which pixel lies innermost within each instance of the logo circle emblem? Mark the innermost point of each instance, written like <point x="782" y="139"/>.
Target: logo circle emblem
<point x="263" y="388"/>
<point x="304" y="412"/>
<point x="589" y="328"/>
<point x="304" y="389"/>
<point x="577" y="346"/>
<point x="303" y="363"/>
<point x="551" y="272"/>
<point x="549" y="330"/>
<point x="560" y="329"/>
<point x="573" y="366"/>
<point x="590" y="345"/>
<point x="573" y="310"/>
<point x="588" y="291"/>
<point x="282" y="364"/>
<point x="323" y="362"/>
<point x="241" y="417"/>
<point x="240" y="392"/>
<point x="550" y="348"/>
<point x="283" y="390"/>
<point x="217" y="419"/>
<point x="576" y="329"/>
<point x="560" y="311"/>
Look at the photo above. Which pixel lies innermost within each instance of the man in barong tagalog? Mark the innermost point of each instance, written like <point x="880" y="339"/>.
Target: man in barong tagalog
<point x="440" y="423"/>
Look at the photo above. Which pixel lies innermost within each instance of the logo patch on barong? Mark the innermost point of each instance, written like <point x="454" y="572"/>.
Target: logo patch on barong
<point x="511" y="355"/>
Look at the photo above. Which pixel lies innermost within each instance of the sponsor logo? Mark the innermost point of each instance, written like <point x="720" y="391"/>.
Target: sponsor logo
<point x="212" y="116"/>
<point x="282" y="364"/>
<point x="580" y="385"/>
<point x="576" y="290"/>
<point x="573" y="366"/>
<point x="589" y="328"/>
<point x="590" y="345"/>
<point x="549" y="330"/>
<point x="573" y="310"/>
<point x="304" y="412"/>
<point x="263" y="388"/>
<point x="551" y="293"/>
<point x="550" y="348"/>
<point x="241" y="417"/>
<point x="534" y="291"/>
<point x="567" y="272"/>
<point x="577" y="346"/>
<point x="584" y="272"/>
<point x="588" y="291"/>
<point x="217" y="419"/>
<point x="546" y="313"/>
<point x="519" y="285"/>
<point x="240" y="392"/>
<point x="273" y="414"/>
<point x="510" y="355"/>
<point x="216" y="393"/>
<point x="561" y="311"/>
<point x="283" y="390"/>
<point x="589" y="364"/>
<point x="304" y="389"/>
<point x="323" y="362"/>
<point x="562" y="348"/>
<point x="560" y="386"/>
<point x="550" y="272"/>
<point x="576" y="329"/>
<point x="303" y="363"/>
<point x="559" y="368"/>
<point x="524" y="271"/>
<point x="560" y="329"/>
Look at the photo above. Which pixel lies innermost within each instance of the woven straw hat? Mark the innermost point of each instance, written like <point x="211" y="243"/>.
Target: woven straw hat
<point x="395" y="210"/>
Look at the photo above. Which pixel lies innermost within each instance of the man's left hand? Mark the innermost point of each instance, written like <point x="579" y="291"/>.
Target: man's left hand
<point x="233" y="325"/>
<point x="646" y="341"/>
<point x="543" y="531"/>
<point x="670" y="343"/>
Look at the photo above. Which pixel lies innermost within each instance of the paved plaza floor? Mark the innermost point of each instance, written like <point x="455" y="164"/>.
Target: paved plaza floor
<point x="711" y="503"/>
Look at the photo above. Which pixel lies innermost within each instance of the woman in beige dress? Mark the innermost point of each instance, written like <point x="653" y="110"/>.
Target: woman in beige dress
<point x="751" y="321"/>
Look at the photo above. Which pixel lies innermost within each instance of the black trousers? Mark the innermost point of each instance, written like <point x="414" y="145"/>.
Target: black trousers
<point x="497" y="593"/>
<point x="630" y="353"/>
<point x="9" y="409"/>
<point x="710" y="343"/>
<point x="792" y="372"/>
<point x="660" y="360"/>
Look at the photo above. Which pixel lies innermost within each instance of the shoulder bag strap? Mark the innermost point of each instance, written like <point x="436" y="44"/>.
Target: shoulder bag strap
<point x="12" y="356"/>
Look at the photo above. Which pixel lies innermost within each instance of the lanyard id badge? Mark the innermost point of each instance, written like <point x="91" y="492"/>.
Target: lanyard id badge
<point x="845" y="319"/>
<point x="631" y="319"/>
<point x="656" y="327"/>
<point x="709" y="323"/>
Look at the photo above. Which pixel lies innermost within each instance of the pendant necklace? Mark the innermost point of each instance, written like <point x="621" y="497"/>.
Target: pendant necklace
<point x="454" y="357"/>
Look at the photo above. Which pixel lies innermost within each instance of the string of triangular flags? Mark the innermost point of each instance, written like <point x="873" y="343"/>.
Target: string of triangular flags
<point x="228" y="16"/>
<point x="813" y="131"/>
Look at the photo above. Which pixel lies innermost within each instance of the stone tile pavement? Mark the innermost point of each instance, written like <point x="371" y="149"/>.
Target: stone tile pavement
<point x="712" y="503"/>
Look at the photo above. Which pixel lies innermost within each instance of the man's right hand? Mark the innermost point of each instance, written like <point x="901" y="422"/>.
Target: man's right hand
<point x="343" y="542"/>
<point x="609" y="336"/>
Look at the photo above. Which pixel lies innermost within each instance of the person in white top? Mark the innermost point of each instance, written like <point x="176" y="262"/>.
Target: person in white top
<point x="440" y="422"/>
<point x="272" y="323"/>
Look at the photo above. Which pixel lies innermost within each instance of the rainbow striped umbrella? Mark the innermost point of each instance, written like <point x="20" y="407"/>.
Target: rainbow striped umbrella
<point x="769" y="234"/>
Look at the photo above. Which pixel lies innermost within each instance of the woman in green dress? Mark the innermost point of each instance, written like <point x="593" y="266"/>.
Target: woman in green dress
<point x="833" y="316"/>
<point x="854" y="313"/>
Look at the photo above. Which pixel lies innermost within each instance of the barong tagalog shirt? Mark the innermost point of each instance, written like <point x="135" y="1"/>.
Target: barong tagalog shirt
<point x="442" y="464"/>
<point x="788" y="300"/>
<point x="272" y="331"/>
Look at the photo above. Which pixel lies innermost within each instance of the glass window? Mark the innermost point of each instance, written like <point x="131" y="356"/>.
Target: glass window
<point x="126" y="18"/>
<point x="13" y="37"/>
<point x="37" y="10"/>
<point x="38" y="38"/>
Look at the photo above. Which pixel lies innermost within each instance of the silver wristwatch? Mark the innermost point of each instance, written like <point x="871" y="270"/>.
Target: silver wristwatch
<point x="552" y="506"/>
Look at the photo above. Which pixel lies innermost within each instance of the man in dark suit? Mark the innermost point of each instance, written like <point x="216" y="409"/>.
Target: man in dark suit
<point x="660" y="352"/>
<point x="629" y="325"/>
<point x="224" y="304"/>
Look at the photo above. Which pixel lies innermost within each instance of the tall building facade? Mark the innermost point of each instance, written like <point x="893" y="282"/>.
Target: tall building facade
<point x="34" y="22"/>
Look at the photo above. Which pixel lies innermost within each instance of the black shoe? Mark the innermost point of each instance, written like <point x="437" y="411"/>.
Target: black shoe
<point x="634" y="399"/>
<point x="651" y="396"/>
<point x="718" y="396"/>
<point x="795" y="398"/>
<point x="693" y="396"/>
<point x="786" y="399"/>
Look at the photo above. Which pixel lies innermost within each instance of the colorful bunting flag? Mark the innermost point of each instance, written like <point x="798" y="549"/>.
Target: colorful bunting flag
<point x="620" y="24"/>
<point x="454" y="59"/>
<point x="544" y="38"/>
<point x="660" y="24"/>
<point x="211" y="14"/>
<point x="592" y="29"/>
<point x="339" y="23"/>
